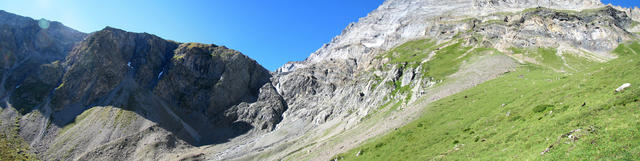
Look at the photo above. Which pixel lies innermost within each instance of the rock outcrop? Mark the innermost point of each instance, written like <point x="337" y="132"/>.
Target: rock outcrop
<point x="500" y="25"/>
<point x="334" y="73"/>
<point x="26" y="46"/>
<point x="205" y="80"/>
<point x="144" y="91"/>
<point x="398" y="21"/>
<point x="360" y="73"/>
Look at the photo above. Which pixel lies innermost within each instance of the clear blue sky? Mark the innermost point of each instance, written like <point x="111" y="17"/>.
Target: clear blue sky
<point x="271" y="31"/>
<point x="624" y="3"/>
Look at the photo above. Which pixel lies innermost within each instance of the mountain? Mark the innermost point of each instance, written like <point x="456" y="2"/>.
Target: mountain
<point x="532" y="113"/>
<point x="77" y="96"/>
<point x="381" y="72"/>
<point x="397" y="21"/>
<point x="412" y="72"/>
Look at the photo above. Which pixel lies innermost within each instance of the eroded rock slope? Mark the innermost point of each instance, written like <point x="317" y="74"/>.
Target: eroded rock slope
<point x="373" y="76"/>
<point x="119" y="95"/>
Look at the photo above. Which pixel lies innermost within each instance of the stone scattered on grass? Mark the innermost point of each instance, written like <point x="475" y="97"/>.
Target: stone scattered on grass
<point x="623" y="87"/>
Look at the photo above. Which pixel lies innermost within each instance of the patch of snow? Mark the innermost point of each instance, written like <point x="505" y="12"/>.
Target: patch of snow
<point x="160" y="75"/>
<point x="18" y="86"/>
<point x="129" y="64"/>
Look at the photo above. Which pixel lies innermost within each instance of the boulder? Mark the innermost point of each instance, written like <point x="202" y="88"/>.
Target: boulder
<point x="623" y="87"/>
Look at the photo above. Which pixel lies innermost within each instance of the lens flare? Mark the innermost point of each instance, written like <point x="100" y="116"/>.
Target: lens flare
<point x="44" y="24"/>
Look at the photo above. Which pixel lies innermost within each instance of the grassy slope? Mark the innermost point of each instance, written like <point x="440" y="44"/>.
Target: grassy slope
<point x="12" y="147"/>
<point x="450" y="54"/>
<point x="541" y="107"/>
<point x="446" y="60"/>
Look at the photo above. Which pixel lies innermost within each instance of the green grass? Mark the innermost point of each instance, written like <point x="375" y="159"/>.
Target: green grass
<point x="124" y="117"/>
<point x="542" y="108"/>
<point x="569" y="12"/>
<point x="13" y="147"/>
<point x="447" y="59"/>
<point x="178" y="56"/>
<point x="373" y="113"/>
<point x="628" y="49"/>
<point x="377" y="82"/>
<point x="577" y="62"/>
<point x="495" y="22"/>
<point x="546" y="57"/>
<point x="521" y="114"/>
<point x="411" y="52"/>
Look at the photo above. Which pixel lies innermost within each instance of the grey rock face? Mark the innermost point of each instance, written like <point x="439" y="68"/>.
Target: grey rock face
<point x="137" y="86"/>
<point x="339" y="84"/>
<point x="207" y="79"/>
<point x="329" y="69"/>
<point x="599" y="31"/>
<point x="36" y="87"/>
<point x="102" y="61"/>
<point x="265" y="113"/>
<point x="221" y="86"/>
<point x="397" y="21"/>
<point x="326" y="72"/>
<point x="25" y="47"/>
<point x="201" y="94"/>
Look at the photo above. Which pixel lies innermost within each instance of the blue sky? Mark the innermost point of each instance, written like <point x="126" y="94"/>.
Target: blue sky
<point x="624" y="3"/>
<point x="271" y="31"/>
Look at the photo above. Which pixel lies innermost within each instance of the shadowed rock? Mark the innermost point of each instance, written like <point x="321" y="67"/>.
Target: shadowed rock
<point x="129" y="83"/>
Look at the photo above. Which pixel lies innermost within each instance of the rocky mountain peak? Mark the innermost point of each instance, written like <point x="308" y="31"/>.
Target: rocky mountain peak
<point x="30" y="49"/>
<point x="146" y="82"/>
<point x="397" y="21"/>
<point x="401" y="47"/>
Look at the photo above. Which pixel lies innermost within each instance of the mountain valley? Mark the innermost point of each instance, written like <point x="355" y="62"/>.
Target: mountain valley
<point x="413" y="80"/>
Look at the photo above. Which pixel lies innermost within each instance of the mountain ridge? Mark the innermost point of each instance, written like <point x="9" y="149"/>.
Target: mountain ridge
<point x="419" y="8"/>
<point x="119" y="95"/>
<point x="127" y="81"/>
<point x="545" y="37"/>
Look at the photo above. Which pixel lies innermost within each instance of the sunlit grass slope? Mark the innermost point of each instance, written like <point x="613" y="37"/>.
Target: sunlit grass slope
<point x="534" y="113"/>
<point x="13" y="147"/>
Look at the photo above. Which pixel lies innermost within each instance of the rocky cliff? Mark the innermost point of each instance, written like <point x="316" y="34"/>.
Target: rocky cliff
<point x="495" y="24"/>
<point x="27" y="47"/>
<point x="407" y="53"/>
<point x="397" y="21"/>
<point x="114" y="94"/>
